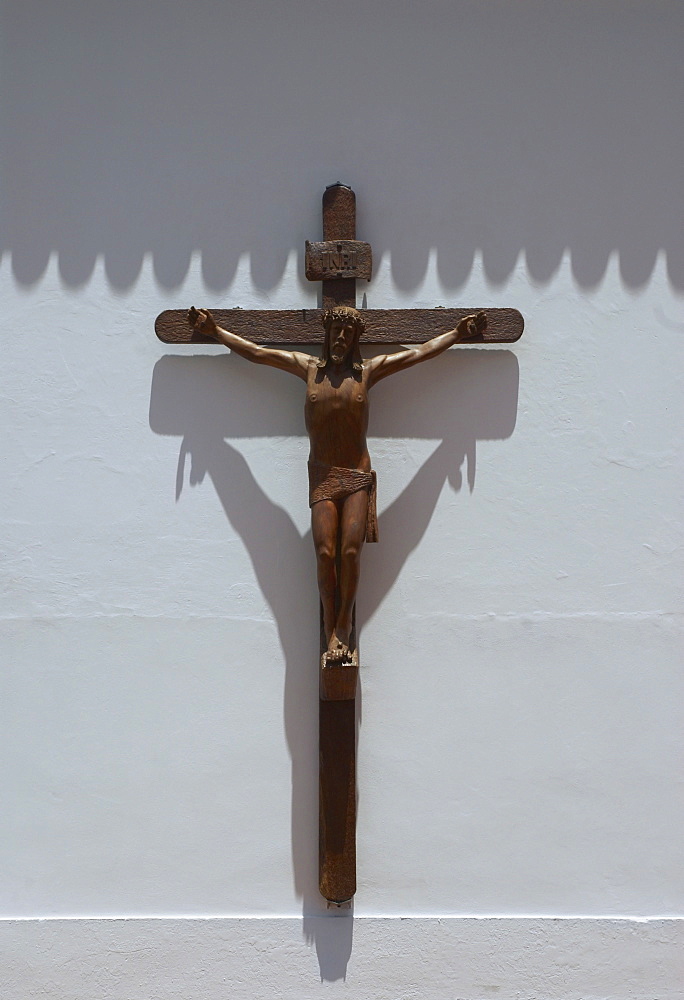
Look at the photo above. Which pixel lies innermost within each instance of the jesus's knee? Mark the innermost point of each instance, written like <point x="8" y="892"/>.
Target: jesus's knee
<point x="350" y="552"/>
<point x="325" y="554"/>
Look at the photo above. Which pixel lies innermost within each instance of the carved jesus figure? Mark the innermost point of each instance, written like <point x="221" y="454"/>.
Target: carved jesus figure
<point x="341" y="481"/>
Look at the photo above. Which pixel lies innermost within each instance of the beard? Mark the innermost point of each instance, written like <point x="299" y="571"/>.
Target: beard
<point x="338" y="353"/>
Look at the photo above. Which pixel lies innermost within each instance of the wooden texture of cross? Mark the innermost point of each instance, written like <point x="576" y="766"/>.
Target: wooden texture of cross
<point x="338" y="261"/>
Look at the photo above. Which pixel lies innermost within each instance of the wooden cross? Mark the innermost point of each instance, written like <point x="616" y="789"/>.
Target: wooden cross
<point x="338" y="262"/>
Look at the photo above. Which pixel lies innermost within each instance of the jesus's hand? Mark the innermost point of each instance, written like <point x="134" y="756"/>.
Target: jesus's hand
<point x="471" y="328"/>
<point x="203" y="322"/>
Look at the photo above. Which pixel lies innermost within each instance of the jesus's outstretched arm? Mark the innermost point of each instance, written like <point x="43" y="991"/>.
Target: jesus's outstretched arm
<point x="288" y="361"/>
<point x="470" y="329"/>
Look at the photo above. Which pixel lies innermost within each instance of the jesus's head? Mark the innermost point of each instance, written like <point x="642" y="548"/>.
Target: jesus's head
<point x="343" y="328"/>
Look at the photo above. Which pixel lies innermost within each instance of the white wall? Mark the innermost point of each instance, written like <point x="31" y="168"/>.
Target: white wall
<point x="520" y="732"/>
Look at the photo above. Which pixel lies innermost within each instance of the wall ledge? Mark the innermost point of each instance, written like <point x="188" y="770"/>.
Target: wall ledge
<point x="383" y="958"/>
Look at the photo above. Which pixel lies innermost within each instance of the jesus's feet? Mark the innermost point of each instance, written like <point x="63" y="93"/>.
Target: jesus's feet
<point x="339" y="672"/>
<point x="338" y="648"/>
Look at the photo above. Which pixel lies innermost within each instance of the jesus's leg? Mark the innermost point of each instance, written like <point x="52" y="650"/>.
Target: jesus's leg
<point x="324" y="525"/>
<point x="352" y="536"/>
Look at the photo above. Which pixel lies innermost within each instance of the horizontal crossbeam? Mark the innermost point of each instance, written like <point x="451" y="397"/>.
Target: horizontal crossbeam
<point x="303" y="326"/>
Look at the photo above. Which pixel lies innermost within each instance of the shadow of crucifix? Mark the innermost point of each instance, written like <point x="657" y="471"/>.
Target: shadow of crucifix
<point x="455" y="401"/>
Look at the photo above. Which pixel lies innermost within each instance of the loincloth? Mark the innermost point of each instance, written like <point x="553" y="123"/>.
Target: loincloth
<point x="332" y="482"/>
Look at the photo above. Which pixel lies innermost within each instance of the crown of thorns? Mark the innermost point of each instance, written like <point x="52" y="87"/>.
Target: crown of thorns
<point x="344" y="313"/>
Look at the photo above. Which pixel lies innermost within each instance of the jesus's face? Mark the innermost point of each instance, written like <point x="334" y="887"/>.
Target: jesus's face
<point x="342" y="336"/>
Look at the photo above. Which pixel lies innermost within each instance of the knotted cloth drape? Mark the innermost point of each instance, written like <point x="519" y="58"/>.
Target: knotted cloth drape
<point x="333" y="482"/>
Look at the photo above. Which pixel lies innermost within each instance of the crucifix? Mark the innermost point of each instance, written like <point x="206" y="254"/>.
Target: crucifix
<point x="341" y="480"/>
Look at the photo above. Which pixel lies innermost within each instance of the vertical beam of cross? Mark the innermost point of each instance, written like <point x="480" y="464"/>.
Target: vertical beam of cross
<point x="337" y="719"/>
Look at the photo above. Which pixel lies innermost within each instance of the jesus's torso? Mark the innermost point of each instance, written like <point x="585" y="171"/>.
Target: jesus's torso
<point x="336" y="415"/>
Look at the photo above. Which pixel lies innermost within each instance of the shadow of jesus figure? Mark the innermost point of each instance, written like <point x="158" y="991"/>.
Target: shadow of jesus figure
<point x="341" y="481"/>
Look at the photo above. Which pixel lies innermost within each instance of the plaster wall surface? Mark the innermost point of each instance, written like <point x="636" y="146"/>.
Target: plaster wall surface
<point x="519" y="759"/>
